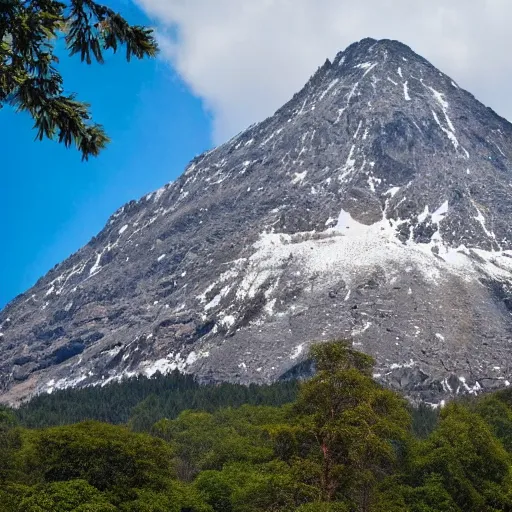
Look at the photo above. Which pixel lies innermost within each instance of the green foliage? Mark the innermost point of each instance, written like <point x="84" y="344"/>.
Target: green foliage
<point x="431" y="496"/>
<point x="357" y="429"/>
<point x="424" y="420"/>
<point x="106" y="456"/>
<point x="323" y="506"/>
<point x="344" y="445"/>
<point x="73" y="495"/>
<point x="10" y="440"/>
<point x="29" y="76"/>
<point x="339" y="356"/>
<point x="176" y="498"/>
<point x="205" y="441"/>
<point x="260" y="488"/>
<point x="143" y="401"/>
<point x="464" y="457"/>
<point x="498" y="415"/>
<point x="217" y="489"/>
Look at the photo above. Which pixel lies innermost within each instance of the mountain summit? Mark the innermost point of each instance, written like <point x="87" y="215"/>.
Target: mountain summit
<point x="376" y="205"/>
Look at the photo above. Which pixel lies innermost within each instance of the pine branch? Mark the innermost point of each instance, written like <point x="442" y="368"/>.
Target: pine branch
<point x="29" y="79"/>
<point x="94" y="28"/>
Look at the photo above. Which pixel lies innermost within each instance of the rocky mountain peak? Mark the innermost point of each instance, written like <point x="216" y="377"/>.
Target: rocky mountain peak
<point x="375" y="204"/>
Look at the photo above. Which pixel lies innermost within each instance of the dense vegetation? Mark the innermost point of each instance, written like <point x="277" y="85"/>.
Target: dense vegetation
<point x="344" y="444"/>
<point x="142" y="401"/>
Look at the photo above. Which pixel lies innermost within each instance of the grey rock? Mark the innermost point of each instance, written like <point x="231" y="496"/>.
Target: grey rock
<point x="375" y="204"/>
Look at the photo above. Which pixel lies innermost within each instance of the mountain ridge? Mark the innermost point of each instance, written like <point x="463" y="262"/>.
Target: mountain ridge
<point x="371" y="204"/>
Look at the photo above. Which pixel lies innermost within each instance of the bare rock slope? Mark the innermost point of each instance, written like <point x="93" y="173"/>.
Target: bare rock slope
<point x="376" y="204"/>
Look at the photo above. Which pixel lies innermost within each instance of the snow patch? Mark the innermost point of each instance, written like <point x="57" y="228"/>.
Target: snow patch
<point x="358" y="128"/>
<point x="340" y="113"/>
<point x="440" y="213"/>
<point x="96" y="267"/>
<point x="423" y="216"/>
<point x="158" y="194"/>
<point x="451" y="136"/>
<point x="372" y="181"/>
<point x="227" y="320"/>
<point x="214" y="302"/>
<point x="393" y="191"/>
<point x="271" y="136"/>
<point x="297" y="351"/>
<point x="450" y="131"/>
<point x="406" y="92"/>
<point x="299" y="177"/>
<point x="481" y="219"/>
<point x="328" y="88"/>
<point x="170" y="363"/>
<point x="349" y="164"/>
<point x="396" y="366"/>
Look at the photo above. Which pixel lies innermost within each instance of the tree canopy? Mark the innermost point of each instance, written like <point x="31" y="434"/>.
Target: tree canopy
<point x="30" y="80"/>
<point x="345" y="444"/>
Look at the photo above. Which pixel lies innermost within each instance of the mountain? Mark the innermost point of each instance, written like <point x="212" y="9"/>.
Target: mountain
<point x="376" y="204"/>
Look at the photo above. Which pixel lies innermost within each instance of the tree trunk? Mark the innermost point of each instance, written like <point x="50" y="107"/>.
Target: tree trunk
<point x="328" y="486"/>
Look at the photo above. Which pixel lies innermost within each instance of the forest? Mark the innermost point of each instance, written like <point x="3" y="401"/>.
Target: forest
<point x="338" y="442"/>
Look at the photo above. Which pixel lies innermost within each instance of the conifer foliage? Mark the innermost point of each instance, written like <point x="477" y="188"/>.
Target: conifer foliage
<point x="30" y="80"/>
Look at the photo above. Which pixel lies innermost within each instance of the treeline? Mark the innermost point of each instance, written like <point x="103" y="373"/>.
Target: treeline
<point x="142" y="401"/>
<point x="344" y="444"/>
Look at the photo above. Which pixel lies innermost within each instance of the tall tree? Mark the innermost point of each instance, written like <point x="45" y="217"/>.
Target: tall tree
<point x="356" y="427"/>
<point x="29" y="76"/>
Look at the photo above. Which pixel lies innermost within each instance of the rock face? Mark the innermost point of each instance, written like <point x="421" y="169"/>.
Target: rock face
<point x="375" y="205"/>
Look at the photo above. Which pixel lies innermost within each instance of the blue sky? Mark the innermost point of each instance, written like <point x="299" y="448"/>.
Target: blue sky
<point x="51" y="202"/>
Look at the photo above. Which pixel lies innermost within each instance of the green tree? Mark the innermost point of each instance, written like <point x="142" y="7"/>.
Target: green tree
<point x="498" y="416"/>
<point x="10" y="441"/>
<point x="176" y="498"/>
<point x="424" y="420"/>
<point x="217" y="489"/>
<point x="71" y="496"/>
<point x="247" y="487"/>
<point x="29" y="76"/>
<point x="110" y="458"/>
<point x="205" y="441"/>
<point x="465" y="459"/>
<point x="430" y="496"/>
<point x="142" y="401"/>
<point x="357" y="430"/>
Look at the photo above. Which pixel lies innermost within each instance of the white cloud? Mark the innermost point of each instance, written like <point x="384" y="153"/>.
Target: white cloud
<point x="245" y="58"/>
